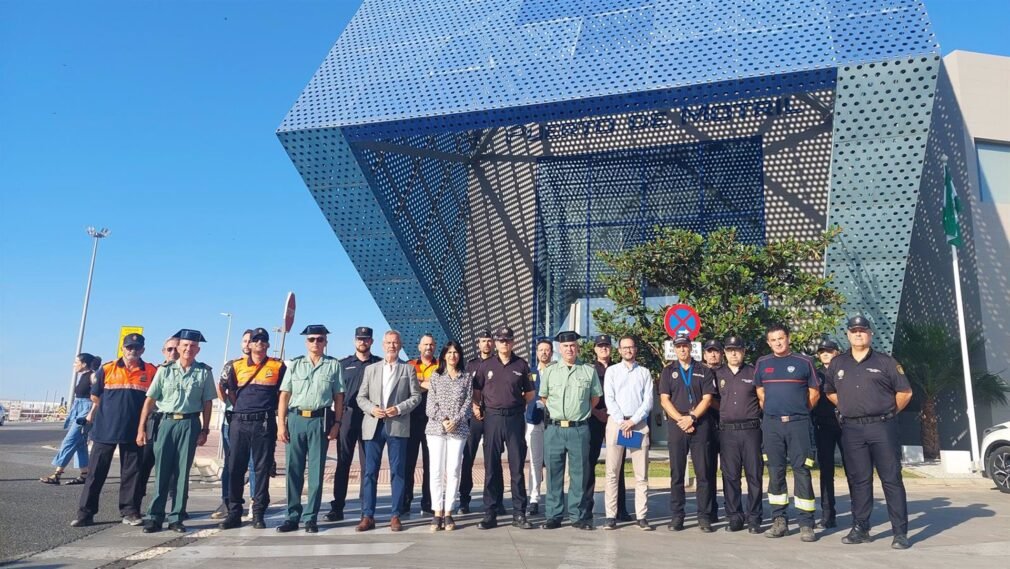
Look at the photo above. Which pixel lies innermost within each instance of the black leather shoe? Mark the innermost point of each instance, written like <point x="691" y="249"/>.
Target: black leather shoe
<point x="533" y="509"/>
<point x="463" y="510"/>
<point x="609" y="524"/>
<point x="334" y="516"/>
<point x="856" y="536"/>
<point x="487" y="523"/>
<point x="82" y="522"/>
<point x="625" y="517"/>
<point x="521" y="522"/>
<point x="676" y="524"/>
<point x="643" y="524"/>
<point x="583" y="525"/>
<point x="552" y="523"/>
<point x="311" y="527"/>
<point x="151" y="527"/>
<point x="754" y="529"/>
<point x="258" y="523"/>
<point x="287" y="526"/>
<point x="705" y="526"/>
<point x="827" y="523"/>
<point x="734" y="525"/>
<point x="900" y="542"/>
<point x="230" y="522"/>
<point x="177" y="527"/>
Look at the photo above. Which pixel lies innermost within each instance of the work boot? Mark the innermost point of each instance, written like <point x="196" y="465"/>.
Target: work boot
<point x="779" y="528"/>
<point x="900" y="542"/>
<point x="856" y="536"/>
<point x="807" y="534"/>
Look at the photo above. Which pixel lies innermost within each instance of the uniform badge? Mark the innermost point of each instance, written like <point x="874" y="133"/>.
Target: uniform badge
<point x="841" y="373"/>
<point x="675" y="375"/>
<point x="901" y="370"/>
<point x="490" y="374"/>
<point x="791" y="369"/>
<point x="722" y="384"/>
<point x="269" y="374"/>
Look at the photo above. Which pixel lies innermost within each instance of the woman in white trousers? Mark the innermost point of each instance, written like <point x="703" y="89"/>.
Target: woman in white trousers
<point x="448" y="411"/>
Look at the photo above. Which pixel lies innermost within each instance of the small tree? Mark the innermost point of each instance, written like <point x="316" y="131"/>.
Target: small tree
<point x="736" y="288"/>
<point x="932" y="362"/>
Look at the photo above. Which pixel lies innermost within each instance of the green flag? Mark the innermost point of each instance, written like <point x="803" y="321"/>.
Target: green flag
<point x="951" y="207"/>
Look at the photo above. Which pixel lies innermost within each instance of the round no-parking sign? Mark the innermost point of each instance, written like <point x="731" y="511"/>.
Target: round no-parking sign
<point x="682" y="317"/>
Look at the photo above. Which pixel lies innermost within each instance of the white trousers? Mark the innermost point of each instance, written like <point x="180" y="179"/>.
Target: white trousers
<point x="446" y="456"/>
<point x="535" y="444"/>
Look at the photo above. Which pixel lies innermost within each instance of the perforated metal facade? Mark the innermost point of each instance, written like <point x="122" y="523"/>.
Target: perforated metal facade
<point x="473" y="156"/>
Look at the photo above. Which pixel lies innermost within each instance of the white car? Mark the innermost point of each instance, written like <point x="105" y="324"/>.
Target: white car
<point x="996" y="455"/>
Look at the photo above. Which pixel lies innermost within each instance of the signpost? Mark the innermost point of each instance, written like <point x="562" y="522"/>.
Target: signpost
<point x="123" y="332"/>
<point x="682" y="317"/>
<point x="289" y="320"/>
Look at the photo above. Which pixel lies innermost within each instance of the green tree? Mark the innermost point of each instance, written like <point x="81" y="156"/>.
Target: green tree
<point x="932" y="361"/>
<point x="736" y="288"/>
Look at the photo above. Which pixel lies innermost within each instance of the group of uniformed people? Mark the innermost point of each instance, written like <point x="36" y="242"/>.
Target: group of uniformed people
<point x="782" y="411"/>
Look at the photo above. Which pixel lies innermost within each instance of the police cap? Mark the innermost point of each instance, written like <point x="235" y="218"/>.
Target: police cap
<point x="133" y="341"/>
<point x="734" y="342"/>
<point x="259" y="334"/>
<point x="682" y="337"/>
<point x="602" y="340"/>
<point x="567" y="336"/>
<point x="859" y="322"/>
<point x="504" y="333"/>
<point x="363" y="333"/>
<point x="827" y="345"/>
<point x="315" y="329"/>
<point x="713" y="345"/>
<point x="187" y="334"/>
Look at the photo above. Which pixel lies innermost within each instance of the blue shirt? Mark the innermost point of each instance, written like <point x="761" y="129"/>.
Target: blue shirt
<point x="628" y="392"/>
<point x="786" y="380"/>
<point x="534" y="414"/>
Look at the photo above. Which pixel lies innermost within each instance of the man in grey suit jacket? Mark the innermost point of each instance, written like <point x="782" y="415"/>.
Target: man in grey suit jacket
<point x="389" y="392"/>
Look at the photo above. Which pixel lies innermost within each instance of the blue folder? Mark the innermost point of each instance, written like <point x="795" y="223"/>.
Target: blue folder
<point x="634" y="441"/>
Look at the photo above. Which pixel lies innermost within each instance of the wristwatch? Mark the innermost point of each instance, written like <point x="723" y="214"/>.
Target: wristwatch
<point x="693" y="418"/>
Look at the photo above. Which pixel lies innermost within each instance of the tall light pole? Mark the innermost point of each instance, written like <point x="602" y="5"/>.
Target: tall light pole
<point x="96" y="234"/>
<point x="227" y="339"/>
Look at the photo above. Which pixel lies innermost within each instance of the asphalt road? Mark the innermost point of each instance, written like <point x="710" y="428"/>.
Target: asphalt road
<point x="35" y="516"/>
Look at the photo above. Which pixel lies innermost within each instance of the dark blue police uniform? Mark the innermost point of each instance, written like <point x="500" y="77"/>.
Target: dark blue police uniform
<point x="828" y="437"/>
<point x="470" y="451"/>
<point x="740" y="445"/>
<point x="350" y="430"/>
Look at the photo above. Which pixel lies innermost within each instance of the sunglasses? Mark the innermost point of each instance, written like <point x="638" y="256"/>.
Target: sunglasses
<point x="170" y="350"/>
<point x="316" y="339"/>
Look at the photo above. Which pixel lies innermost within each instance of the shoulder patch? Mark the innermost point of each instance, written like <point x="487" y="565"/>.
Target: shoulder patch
<point x="900" y="369"/>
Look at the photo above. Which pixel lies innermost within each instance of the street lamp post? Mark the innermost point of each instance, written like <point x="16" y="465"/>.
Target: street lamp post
<point x="227" y="339"/>
<point x="220" y="416"/>
<point x="96" y="234"/>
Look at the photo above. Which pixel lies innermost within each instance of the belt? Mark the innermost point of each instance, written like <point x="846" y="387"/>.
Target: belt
<point x="740" y="425"/>
<point x="178" y="416"/>
<point x="308" y="413"/>
<point x="788" y="418"/>
<point x="253" y="416"/>
<point x="566" y="424"/>
<point x="869" y="419"/>
<point x="506" y="412"/>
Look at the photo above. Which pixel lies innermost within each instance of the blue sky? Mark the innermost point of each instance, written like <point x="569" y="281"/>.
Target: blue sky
<point x="157" y="119"/>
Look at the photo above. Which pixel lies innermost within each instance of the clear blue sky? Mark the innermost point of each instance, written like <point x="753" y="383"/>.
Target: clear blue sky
<point x="157" y="119"/>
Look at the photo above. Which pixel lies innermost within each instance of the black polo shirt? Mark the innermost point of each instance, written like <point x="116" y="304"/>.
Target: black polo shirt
<point x="737" y="393"/>
<point x="601" y="371"/>
<point x="502" y="385"/>
<point x="672" y="382"/>
<point x="865" y="388"/>
<point x="354" y="369"/>
<point x="786" y="381"/>
<point x="825" y="409"/>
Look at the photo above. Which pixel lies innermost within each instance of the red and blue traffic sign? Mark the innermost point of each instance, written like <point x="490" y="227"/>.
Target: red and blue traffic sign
<point x="682" y="317"/>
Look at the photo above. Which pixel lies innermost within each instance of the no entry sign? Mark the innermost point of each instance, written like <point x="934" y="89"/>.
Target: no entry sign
<point x="682" y="317"/>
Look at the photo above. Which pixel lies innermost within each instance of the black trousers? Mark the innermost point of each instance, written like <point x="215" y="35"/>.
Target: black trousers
<point x="597" y="432"/>
<point x="713" y="461"/>
<point x="130" y="491"/>
<point x="827" y="436"/>
<point x="350" y="437"/>
<point x="503" y="432"/>
<point x="869" y="446"/>
<point x="250" y="439"/>
<point x="417" y="444"/>
<point x="699" y="445"/>
<point x="741" y="453"/>
<point x="469" y="456"/>
<point x="789" y="444"/>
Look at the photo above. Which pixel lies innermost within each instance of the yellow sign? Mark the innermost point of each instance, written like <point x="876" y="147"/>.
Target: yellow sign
<point x="123" y="331"/>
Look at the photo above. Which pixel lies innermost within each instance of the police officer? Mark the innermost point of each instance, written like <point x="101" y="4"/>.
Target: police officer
<point x="535" y="416"/>
<point x="313" y="384"/>
<point x="870" y="389"/>
<point x="570" y="391"/>
<point x="740" y="437"/>
<point x="118" y="394"/>
<point x="183" y="392"/>
<point x="788" y="388"/>
<point x="827" y="436"/>
<point x="485" y="348"/>
<point x="685" y="392"/>
<point x="711" y="357"/>
<point x="425" y="365"/>
<point x="252" y="386"/>
<point x="603" y="347"/>
<point x="352" y="370"/>
<point x="502" y="387"/>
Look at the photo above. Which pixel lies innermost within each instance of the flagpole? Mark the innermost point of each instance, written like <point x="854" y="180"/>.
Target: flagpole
<point x="963" y="334"/>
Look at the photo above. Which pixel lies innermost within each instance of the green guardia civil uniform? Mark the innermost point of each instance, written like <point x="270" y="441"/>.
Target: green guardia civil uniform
<point x="313" y="388"/>
<point x="568" y="390"/>
<point x="180" y="395"/>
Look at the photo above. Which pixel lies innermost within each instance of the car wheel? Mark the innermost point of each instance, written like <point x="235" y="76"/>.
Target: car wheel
<point x="997" y="464"/>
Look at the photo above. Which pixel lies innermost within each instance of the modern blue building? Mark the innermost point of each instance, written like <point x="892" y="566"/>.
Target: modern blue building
<point x="474" y="156"/>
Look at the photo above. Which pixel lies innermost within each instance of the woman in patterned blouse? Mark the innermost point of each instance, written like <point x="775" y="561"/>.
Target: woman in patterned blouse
<point x="448" y="413"/>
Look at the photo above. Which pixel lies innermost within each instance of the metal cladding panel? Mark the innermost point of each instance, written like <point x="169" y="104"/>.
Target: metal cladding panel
<point x="882" y="118"/>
